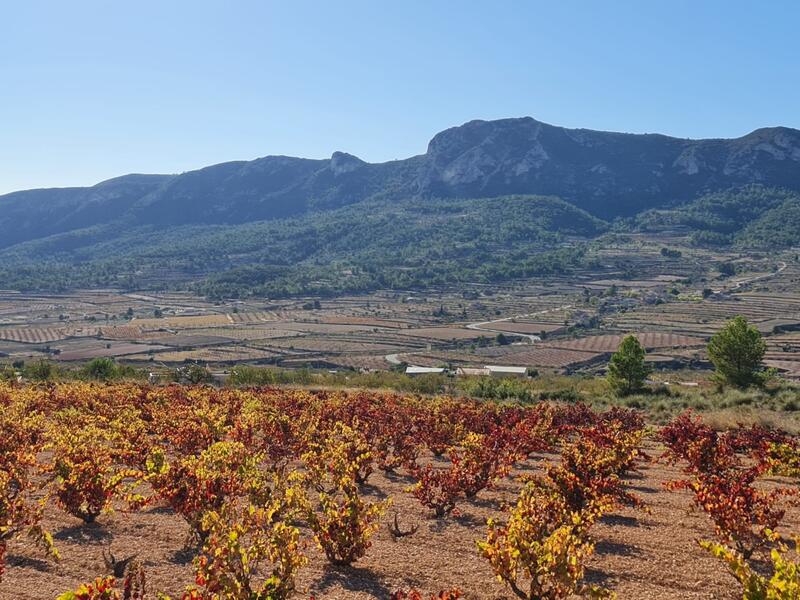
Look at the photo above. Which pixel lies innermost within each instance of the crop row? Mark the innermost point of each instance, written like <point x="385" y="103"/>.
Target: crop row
<point x="724" y="473"/>
<point x="250" y="470"/>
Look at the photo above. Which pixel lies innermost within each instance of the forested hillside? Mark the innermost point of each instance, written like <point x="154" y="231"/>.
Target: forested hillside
<point x="488" y="201"/>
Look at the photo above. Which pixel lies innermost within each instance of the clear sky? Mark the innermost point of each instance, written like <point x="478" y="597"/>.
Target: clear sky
<point x="90" y="90"/>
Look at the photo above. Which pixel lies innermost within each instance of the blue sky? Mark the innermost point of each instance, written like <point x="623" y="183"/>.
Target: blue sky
<point x="90" y="90"/>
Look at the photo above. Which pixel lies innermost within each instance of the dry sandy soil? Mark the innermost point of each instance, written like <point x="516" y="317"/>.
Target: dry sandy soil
<point x="641" y="556"/>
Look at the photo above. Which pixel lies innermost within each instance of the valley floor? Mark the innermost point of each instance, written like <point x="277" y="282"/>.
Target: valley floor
<point x="570" y="323"/>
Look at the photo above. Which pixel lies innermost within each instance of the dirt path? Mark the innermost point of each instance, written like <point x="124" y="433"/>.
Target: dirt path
<point x="482" y="326"/>
<point x="747" y="280"/>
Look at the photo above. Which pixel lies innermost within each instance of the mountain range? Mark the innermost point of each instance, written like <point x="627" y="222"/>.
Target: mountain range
<point x="606" y="174"/>
<point x="603" y="175"/>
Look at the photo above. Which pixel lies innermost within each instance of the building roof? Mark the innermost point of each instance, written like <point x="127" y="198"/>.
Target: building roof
<point x="412" y="370"/>
<point x="506" y="369"/>
<point x="471" y="371"/>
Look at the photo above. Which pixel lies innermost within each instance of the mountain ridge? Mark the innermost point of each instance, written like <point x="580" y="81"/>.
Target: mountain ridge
<point x="608" y="174"/>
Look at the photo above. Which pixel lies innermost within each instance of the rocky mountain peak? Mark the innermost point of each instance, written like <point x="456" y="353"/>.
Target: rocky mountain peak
<point x="342" y="162"/>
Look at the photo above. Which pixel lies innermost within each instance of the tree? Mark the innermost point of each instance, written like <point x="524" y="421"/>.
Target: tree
<point x="102" y="368"/>
<point x="726" y="269"/>
<point x="627" y="369"/>
<point x="736" y="351"/>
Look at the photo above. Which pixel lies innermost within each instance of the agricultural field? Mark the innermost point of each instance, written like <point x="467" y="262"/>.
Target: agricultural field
<point x="33" y="335"/>
<point x="548" y="356"/>
<point x="525" y="327"/>
<point x="213" y="354"/>
<point x="606" y="344"/>
<point x="85" y="350"/>
<point x="174" y="486"/>
<point x="256" y="316"/>
<point x="570" y="323"/>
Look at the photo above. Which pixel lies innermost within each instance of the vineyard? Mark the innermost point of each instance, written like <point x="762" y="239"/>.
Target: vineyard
<point x="206" y="493"/>
<point x="32" y="335"/>
<point x="610" y="343"/>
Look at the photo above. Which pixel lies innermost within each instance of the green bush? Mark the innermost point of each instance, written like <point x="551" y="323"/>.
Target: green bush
<point x="41" y="370"/>
<point x="497" y="389"/>
<point x="247" y="375"/>
<point x="103" y="369"/>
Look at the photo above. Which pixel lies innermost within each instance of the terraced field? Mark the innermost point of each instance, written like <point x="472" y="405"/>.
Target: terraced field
<point x="34" y="335"/>
<point x="783" y="353"/>
<point x="218" y="354"/>
<point x="702" y="317"/>
<point x="445" y="333"/>
<point x="526" y="327"/>
<point x="609" y="343"/>
<point x="548" y="356"/>
<point x="332" y="345"/>
<point x="370" y="322"/>
<point x="123" y="332"/>
<point x="248" y="333"/>
<point x="360" y="362"/>
<point x="253" y="317"/>
<point x="89" y="349"/>
<point x="631" y="288"/>
<point x="184" y="322"/>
